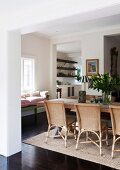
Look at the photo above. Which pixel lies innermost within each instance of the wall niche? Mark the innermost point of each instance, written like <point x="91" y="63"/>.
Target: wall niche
<point x="112" y="60"/>
<point x="112" y="55"/>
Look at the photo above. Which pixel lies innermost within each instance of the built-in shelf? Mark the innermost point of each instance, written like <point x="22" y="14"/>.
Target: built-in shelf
<point x="65" y="76"/>
<point x="66" y="68"/>
<point x="66" y="61"/>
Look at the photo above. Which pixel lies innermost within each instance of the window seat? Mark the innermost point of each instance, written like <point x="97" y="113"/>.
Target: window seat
<point x="29" y="104"/>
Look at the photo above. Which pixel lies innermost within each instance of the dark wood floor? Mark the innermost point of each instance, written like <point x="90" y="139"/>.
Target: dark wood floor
<point x="31" y="127"/>
<point x="34" y="158"/>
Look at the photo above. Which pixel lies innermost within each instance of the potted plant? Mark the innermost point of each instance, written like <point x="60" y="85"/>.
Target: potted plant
<point x="106" y="83"/>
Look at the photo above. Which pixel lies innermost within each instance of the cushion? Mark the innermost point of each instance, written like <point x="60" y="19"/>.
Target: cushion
<point x="25" y="102"/>
<point x="23" y="96"/>
<point x="35" y="99"/>
<point x="36" y="93"/>
<point x="44" y="93"/>
<point x="27" y="95"/>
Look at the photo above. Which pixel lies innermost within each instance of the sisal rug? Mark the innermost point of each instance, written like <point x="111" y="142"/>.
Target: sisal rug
<point x="88" y="152"/>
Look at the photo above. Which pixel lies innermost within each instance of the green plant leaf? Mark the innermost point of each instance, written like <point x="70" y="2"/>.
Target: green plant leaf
<point x="105" y="82"/>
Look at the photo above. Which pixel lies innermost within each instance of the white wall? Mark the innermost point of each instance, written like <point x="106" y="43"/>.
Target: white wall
<point x="76" y="57"/>
<point x="3" y="92"/>
<point x="10" y="119"/>
<point x="53" y="71"/>
<point x="92" y="48"/>
<point x="39" y="47"/>
<point x="14" y="93"/>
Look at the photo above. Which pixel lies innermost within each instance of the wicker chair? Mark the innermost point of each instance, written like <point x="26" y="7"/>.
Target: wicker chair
<point x="115" y="118"/>
<point x="88" y="118"/>
<point x="57" y="118"/>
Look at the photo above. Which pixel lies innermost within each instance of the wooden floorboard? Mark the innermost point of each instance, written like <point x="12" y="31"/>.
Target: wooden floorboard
<point x="34" y="158"/>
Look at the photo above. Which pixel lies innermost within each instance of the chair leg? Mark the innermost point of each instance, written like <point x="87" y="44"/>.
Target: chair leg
<point x="87" y="136"/>
<point x="75" y="131"/>
<point x="113" y="145"/>
<point x="100" y="144"/>
<point x="47" y="134"/>
<point x="77" y="140"/>
<point x="107" y="136"/>
<point x="66" y="132"/>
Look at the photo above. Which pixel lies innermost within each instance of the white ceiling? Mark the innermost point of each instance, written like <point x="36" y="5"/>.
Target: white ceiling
<point x="9" y="7"/>
<point x="74" y="24"/>
<point x="56" y="17"/>
<point x="20" y="6"/>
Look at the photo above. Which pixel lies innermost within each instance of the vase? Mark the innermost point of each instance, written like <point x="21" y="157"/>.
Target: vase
<point x="106" y="96"/>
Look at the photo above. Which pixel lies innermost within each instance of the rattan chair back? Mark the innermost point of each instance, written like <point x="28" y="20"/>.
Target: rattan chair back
<point x="115" y="118"/>
<point x="88" y="116"/>
<point x="55" y="113"/>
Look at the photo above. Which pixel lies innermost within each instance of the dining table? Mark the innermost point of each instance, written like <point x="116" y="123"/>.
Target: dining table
<point x="69" y="104"/>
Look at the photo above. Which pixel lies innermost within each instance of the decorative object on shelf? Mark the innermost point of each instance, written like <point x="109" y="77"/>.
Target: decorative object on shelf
<point x="92" y="67"/>
<point x="82" y="97"/>
<point x="66" y="68"/>
<point x="64" y="75"/>
<point x="59" y="82"/>
<point x="66" y="61"/>
<point x="106" y="83"/>
<point x="82" y="94"/>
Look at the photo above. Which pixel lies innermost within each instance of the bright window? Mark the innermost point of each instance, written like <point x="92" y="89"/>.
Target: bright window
<point x="27" y="74"/>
